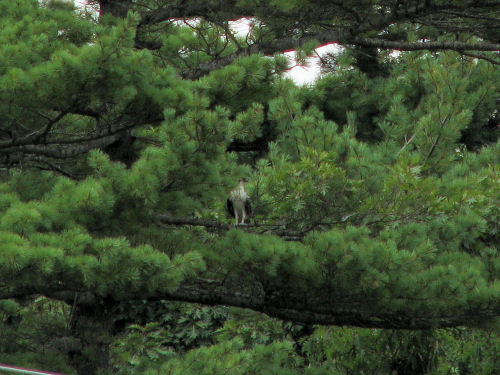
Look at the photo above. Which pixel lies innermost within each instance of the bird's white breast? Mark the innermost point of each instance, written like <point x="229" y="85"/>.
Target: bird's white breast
<point x="238" y="198"/>
<point x="239" y="194"/>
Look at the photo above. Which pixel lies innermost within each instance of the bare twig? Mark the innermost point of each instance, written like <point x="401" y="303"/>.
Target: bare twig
<point x="481" y="57"/>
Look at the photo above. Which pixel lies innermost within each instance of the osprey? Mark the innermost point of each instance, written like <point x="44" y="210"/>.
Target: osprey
<point x="238" y="203"/>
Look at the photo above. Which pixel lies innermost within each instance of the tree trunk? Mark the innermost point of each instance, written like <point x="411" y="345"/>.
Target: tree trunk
<point x="93" y="327"/>
<point x="117" y="8"/>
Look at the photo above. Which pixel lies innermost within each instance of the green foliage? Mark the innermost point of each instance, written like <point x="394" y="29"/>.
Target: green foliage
<point x="178" y="328"/>
<point x="142" y="348"/>
<point x="469" y="352"/>
<point x="277" y="358"/>
<point x="251" y="328"/>
<point x="365" y="351"/>
<point x="35" y="334"/>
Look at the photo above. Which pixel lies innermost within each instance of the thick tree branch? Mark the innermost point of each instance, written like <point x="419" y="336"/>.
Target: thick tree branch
<point x="341" y="37"/>
<point x="230" y="9"/>
<point x="117" y="8"/>
<point x="56" y="150"/>
<point x="169" y="220"/>
<point x="309" y="308"/>
<point x="276" y="229"/>
<point x="349" y="28"/>
<point x="429" y="46"/>
<point x="186" y="10"/>
<point x="38" y="143"/>
<point x="325" y="312"/>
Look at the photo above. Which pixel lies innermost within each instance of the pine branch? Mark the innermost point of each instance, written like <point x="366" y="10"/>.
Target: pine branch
<point x="36" y="135"/>
<point x="301" y="309"/>
<point x="52" y="167"/>
<point x="341" y="37"/>
<point x="59" y="150"/>
<point x="304" y="308"/>
<point x="482" y="57"/>
<point x="267" y="48"/>
<point x="230" y="9"/>
<point x="169" y="220"/>
<point x="429" y="46"/>
<point x="349" y="34"/>
<point x="276" y="229"/>
<point x="16" y="149"/>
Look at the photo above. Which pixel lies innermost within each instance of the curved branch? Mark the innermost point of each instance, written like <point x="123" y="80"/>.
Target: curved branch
<point x="482" y="57"/>
<point x="339" y="313"/>
<point x="305" y="308"/>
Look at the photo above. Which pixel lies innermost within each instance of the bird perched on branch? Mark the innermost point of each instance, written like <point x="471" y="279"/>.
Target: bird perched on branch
<point x="238" y="203"/>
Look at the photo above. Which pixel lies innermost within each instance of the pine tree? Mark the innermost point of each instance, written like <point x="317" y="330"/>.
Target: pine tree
<point x="375" y="192"/>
